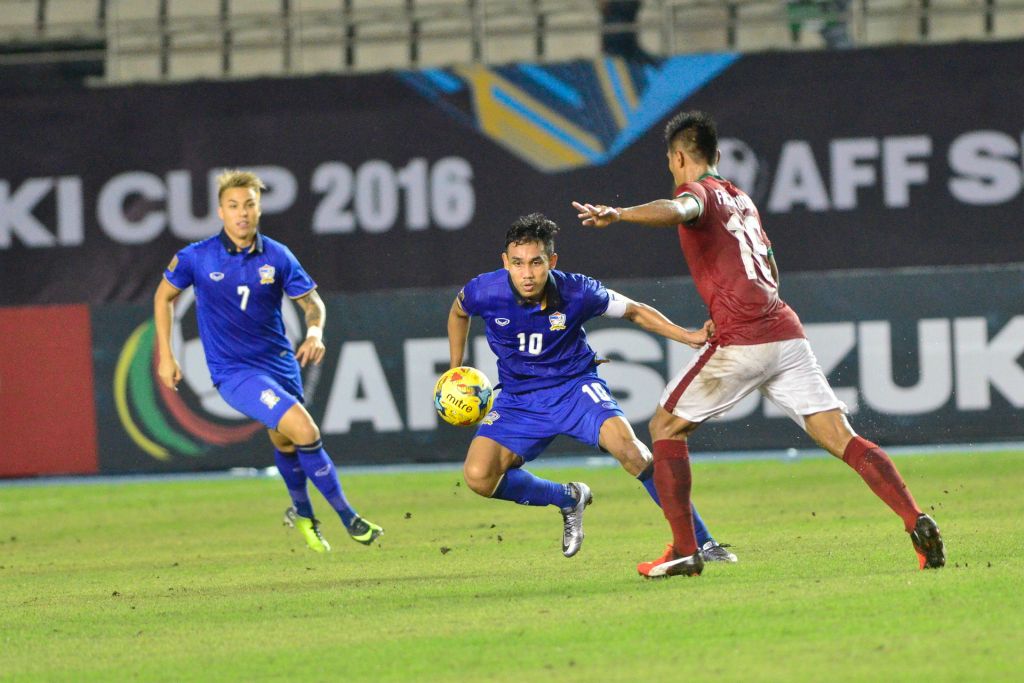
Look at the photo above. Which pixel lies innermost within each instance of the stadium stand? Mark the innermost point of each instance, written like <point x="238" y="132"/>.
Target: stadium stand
<point x="120" y="41"/>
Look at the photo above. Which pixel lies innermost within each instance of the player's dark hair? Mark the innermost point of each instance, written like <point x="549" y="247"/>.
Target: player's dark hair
<point x="535" y="227"/>
<point x="696" y="131"/>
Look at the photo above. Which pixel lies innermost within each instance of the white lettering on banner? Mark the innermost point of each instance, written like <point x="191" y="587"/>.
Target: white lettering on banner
<point x="282" y="188"/>
<point x="987" y="165"/>
<point x="636" y="387"/>
<point x="983" y="362"/>
<point x="135" y="207"/>
<point x="360" y="392"/>
<point x="184" y="223"/>
<point x="367" y="197"/>
<point x="139" y="223"/>
<point x="935" y="377"/>
<point x="797" y="180"/>
<point x="902" y="166"/>
<point x="848" y="173"/>
<point x="16" y="213"/>
<point x="70" y="223"/>
<point x="985" y="168"/>
<point x="425" y="360"/>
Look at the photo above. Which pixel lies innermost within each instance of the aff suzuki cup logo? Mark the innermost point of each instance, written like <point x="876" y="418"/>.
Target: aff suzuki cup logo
<point x="194" y="419"/>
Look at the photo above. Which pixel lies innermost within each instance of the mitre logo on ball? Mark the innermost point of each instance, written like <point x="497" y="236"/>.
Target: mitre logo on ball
<point x="462" y="396"/>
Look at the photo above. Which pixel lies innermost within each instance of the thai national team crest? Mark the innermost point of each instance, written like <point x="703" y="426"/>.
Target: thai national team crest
<point x="269" y="398"/>
<point x="557" y="321"/>
<point x="491" y="417"/>
<point x="266" y="275"/>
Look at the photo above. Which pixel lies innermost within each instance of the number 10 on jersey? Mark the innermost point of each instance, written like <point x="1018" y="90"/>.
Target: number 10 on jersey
<point x="533" y="344"/>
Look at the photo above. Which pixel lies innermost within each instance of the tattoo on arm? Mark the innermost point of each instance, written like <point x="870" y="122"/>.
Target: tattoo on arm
<point x="313" y="307"/>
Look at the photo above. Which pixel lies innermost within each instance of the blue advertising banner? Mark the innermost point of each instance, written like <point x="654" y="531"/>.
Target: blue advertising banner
<point x="918" y="356"/>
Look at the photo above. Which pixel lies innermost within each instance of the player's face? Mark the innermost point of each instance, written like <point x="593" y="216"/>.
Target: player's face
<point x="528" y="264"/>
<point x="240" y="210"/>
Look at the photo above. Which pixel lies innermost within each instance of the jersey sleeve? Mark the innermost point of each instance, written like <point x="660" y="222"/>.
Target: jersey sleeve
<point x="297" y="281"/>
<point x="595" y="297"/>
<point x="469" y="297"/>
<point x="698" y="192"/>
<point x="180" y="271"/>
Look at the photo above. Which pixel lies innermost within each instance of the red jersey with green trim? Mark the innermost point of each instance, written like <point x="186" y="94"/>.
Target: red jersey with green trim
<point x="726" y="250"/>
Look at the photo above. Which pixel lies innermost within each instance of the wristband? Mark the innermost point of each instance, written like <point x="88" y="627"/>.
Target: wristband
<point x="315" y="331"/>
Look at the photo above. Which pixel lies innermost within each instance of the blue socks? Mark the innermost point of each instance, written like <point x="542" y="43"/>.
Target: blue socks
<point x="519" y="486"/>
<point x="317" y="465"/>
<point x="295" y="480"/>
<point x="700" y="529"/>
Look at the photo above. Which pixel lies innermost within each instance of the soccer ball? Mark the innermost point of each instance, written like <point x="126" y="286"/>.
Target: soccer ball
<point x="463" y="396"/>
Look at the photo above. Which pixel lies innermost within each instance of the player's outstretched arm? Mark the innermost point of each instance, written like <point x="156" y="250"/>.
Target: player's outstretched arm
<point x="458" y="333"/>
<point x="312" y="349"/>
<point x="163" y="317"/>
<point x="653" y="320"/>
<point x="660" y="213"/>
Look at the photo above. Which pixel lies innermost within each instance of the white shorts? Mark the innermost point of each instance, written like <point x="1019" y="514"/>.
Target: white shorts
<point x="719" y="377"/>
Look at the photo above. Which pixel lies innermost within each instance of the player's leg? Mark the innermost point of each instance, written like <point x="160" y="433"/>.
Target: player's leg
<point x="673" y="481"/>
<point x="262" y="397"/>
<point x="802" y="390"/>
<point x="298" y="426"/>
<point x="831" y="431"/>
<point x="493" y="471"/>
<point x="520" y="431"/>
<point x="715" y="380"/>
<point x="618" y="438"/>
<point x="300" y="514"/>
<point x="287" y="461"/>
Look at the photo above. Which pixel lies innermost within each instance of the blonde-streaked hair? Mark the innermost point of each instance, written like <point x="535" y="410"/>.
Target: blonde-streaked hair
<point x="234" y="177"/>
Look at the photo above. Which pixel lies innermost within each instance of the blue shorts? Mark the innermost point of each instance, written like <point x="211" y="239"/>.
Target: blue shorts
<point x="260" y="396"/>
<point x="526" y="423"/>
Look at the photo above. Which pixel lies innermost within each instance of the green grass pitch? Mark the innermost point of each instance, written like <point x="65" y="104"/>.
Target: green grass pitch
<point x="198" y="580"/>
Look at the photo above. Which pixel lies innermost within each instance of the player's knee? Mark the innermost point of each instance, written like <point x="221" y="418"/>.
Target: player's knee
<point x="660" y="427"/>
<point x="308" y="433"/>
<point x="830" y="430"/>
<point x="481" y="480"/>
<point x="633" y="455"/>
<point x="665" y="425"/>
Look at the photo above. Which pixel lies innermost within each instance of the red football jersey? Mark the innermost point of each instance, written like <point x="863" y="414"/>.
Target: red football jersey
<point x="726" y="250"/>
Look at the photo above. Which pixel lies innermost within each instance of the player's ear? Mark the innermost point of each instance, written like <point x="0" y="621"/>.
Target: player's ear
<point x="553" y="260"/>
<point x="220" y="211"/>
<point x="504" y="259"/>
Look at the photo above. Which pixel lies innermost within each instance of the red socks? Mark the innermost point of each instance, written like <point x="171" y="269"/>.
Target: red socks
<point x="877" y="470"/>
<point x="672" y="480"/>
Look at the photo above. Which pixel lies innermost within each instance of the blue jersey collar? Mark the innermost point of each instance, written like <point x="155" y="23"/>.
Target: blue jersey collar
<point x="551" y="294"/>
<point x="257" y="245"/>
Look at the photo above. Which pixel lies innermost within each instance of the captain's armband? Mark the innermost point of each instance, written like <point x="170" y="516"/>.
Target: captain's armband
<point x="617" y="304"/>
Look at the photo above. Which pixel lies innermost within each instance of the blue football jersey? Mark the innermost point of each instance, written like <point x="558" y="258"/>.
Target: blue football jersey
<point x="238" y="303"/>
<point x="537" y="348"/>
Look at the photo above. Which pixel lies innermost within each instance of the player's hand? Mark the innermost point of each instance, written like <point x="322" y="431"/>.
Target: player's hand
<point x="311" y="350"/>
<point x="596" y="215"/>
<point x="699" y="338"/>
<point x="169" y="372"/>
